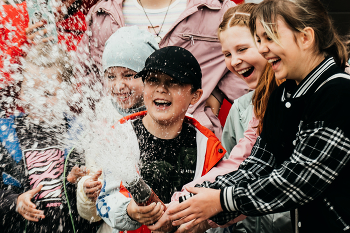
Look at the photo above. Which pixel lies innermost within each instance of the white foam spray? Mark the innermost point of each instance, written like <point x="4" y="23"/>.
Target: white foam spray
<point x="111" y="145"/>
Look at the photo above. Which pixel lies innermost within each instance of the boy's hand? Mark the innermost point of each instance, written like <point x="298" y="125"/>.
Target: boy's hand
<point x="202" y="206"/>
<point x="164" y="223"/>
<point x="37" y="36"/>
<point x="199" y="228"/>
<point x="27" y="208"/>
<point x="76" y="173"/>
<point x="92" y="186"/>
<point x="145" y="215"/>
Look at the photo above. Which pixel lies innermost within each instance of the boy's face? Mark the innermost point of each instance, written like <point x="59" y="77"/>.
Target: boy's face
<point x="41" y="91"/>
<point x="166" y="99"/>
<point x="124" y="88"/>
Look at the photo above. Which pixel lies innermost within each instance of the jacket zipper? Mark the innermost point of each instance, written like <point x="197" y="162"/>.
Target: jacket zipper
<point x="193" y="37"/>
<point x="107" y="11"/>
<point x="296" y="221"/>
<point x="191" y="12"/>
<point x="338" y="218"/>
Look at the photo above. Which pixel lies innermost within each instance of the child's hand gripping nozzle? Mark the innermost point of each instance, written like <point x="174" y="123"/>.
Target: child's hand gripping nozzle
<point x="142" y="194"/>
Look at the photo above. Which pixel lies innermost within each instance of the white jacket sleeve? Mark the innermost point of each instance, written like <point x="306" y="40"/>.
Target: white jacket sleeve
<point x="111" y="206"/>
<point x="86" y="207"/>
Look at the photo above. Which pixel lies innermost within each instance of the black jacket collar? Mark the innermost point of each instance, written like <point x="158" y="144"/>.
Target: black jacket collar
<point x="310" y="83"/>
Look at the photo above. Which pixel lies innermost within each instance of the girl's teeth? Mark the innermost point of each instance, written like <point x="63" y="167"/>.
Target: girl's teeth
<point x="272" y="60"/>
<point x="243" y="71"/>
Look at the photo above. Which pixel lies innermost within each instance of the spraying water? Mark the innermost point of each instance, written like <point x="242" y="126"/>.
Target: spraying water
<point x="108" y="143"/>
<point x="54" y="95"/>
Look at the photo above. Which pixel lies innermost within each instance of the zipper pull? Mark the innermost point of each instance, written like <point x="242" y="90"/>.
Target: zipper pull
<point x="192" y="40"/>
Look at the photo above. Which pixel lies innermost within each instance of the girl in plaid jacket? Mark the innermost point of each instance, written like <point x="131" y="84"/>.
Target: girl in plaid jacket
<point x="300" y="160"/>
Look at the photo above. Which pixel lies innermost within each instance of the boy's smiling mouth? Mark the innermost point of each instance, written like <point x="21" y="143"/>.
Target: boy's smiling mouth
<point x="161" y="103"/>
<point x="123" y="96"/>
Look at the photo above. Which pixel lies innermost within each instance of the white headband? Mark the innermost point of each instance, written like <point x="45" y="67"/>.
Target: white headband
<point x="241" y="13"/>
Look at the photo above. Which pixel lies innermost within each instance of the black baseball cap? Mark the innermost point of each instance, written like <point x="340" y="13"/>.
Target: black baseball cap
<point x="176" y="62"/>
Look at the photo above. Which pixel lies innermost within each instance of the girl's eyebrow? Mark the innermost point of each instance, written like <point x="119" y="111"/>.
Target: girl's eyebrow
<point x="237" y="46"/>
<point x="264" y="34"/>
<point x="242" y="45"/>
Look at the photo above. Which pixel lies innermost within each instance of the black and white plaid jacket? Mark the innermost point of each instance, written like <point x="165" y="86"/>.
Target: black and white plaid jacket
<point x="301" y="158"/>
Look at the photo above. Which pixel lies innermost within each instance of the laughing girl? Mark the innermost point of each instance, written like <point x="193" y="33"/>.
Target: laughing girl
<point x="300" y="160"/>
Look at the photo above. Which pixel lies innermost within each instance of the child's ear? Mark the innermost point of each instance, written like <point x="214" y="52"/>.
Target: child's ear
<point x="196" y="96"/>
<point x="307" y="38"/>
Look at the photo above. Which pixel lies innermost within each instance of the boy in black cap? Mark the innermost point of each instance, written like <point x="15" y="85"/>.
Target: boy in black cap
<point x="174" y="148"/>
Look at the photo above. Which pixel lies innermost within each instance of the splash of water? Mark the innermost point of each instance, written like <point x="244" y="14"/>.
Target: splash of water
<point x="114" y="149"/>
<point x="111" y="145"/>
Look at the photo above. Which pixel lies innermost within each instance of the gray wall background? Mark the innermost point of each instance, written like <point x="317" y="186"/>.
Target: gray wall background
<point x="339" y="10"/>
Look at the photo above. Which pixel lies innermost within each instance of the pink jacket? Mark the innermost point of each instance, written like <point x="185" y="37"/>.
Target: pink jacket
<point x="195" y="30"/>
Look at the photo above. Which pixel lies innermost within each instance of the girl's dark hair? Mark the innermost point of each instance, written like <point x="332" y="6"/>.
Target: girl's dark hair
<point x="347" y="43"/>
<point x="299" y="14"/>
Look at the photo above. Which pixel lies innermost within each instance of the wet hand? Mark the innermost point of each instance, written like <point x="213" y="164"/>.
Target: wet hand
<point x="145" y="215"/>
<point x="199" y="228"/>
<point x="37" y="37"/>
<point x="27" y="208"/>
<point x="164" y="223"/>
<point x="202" y="206"/>
<point x="92" y="186"/>
<point x="76" y="173"/>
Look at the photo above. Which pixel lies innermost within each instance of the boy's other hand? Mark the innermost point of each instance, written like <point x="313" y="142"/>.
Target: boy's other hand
<point x="36" y="37"/>
<point x="92" y="186"/>
<point x="202" y="206"/>
<point x="199" y="228"/>
<point x="145" y="215"/>
<point x="76" y="173"/>
<point x="27" y="208"/>
<point x="164" y="223"/>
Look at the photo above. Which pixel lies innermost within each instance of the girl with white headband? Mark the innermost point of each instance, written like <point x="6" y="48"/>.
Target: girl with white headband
<point x="244" y="122"/>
